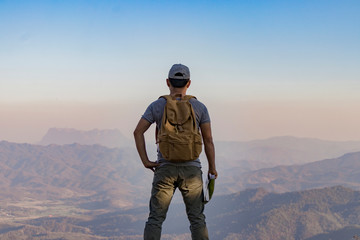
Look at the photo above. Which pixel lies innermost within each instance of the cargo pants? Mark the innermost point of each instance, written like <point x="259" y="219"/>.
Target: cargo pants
<point x="189" y="181"/>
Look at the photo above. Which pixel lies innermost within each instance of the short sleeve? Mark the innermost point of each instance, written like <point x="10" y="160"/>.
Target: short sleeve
<point x="148" y="114"/>
<point x="205" y="117"/>
<point x="154" y="111"/>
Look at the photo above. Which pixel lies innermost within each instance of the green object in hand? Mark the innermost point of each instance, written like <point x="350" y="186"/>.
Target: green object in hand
<point x="210" y="187"/>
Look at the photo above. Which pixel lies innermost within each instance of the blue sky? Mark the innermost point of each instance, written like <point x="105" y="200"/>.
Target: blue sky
<point x="237" y="51"/>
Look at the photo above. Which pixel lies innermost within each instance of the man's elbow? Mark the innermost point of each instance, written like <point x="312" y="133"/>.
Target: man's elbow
<point x="208" y="141"/>
<point x="137" y="132"/>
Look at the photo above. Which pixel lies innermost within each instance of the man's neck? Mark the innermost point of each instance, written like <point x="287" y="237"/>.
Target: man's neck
<point x="178" y="91"/>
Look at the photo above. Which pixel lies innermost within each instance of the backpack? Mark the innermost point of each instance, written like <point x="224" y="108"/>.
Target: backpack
<point x="179" y="138"/>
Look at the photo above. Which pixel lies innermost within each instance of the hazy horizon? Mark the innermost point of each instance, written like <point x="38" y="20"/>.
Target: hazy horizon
<point x="263" y="69"/>
<point x="30" y="122"/>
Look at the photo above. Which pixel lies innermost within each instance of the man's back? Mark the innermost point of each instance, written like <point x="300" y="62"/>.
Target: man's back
<point x="154" y="114"/>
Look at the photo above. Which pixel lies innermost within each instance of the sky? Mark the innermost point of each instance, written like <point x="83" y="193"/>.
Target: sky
<point x="263" y="68"/>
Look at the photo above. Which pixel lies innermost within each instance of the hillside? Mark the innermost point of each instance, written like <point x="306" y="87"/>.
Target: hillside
<point x="254" y="214"/>
<point x="260" y="215"/>
<point x="344" y="170"/>
<point x="91" y="176"/>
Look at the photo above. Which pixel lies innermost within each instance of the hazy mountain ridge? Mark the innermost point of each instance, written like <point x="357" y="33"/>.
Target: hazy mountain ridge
<point x="344" y="170"/>
<point x="284" y="150"/>
<point x="235" y="159"/>
<point x="253" y="214"/>
<point x="107" y="137"/>
<point x="245" y="156"/>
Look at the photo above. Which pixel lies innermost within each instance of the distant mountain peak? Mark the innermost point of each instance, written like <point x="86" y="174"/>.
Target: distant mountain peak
<point x="259" y="194"/>
<point x="106" y="137"/>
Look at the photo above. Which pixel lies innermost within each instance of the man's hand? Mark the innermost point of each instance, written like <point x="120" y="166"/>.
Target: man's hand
<point x="140" y="129"/>
<point x="213" y="172"/>
<point x="151" y="165"/>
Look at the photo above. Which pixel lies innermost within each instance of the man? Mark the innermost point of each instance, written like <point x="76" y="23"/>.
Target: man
<point x="169" y="175"/>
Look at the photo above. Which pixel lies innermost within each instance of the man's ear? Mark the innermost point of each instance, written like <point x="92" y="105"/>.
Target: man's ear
<point x="188" y="84"/>
<point x="168" y="82"/>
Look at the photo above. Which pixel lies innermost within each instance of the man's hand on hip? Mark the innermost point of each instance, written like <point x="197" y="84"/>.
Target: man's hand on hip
<point x="151" y="165"/>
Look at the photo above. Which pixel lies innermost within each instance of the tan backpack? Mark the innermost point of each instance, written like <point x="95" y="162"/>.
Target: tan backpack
<point x="179" y="138"/>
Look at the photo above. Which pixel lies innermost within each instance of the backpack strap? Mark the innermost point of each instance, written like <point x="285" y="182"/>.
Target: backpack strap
<point x="188" y="97"/>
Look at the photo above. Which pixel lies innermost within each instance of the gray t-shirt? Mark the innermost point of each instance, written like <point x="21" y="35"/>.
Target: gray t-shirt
<point x="154" y="113"/>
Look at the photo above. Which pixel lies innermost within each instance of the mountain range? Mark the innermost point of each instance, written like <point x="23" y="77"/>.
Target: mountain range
<point x="115" y="176"/>
<point x="245" y="156"/>
<point x="85" y="187"/>
<point x="93" y="171"/>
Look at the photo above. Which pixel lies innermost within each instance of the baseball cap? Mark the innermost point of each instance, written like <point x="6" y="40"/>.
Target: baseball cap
<point x="179" y="72"/>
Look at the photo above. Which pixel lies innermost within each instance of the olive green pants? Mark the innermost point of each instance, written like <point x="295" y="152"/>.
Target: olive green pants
<point x="189" y="181"/>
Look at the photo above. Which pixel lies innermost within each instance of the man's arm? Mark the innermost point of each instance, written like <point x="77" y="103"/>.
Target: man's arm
<point x="139" y="131"/>
<point x="209" y="147"/>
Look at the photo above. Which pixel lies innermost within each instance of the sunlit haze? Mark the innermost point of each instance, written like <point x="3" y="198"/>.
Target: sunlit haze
<point x="263" y="68"/>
